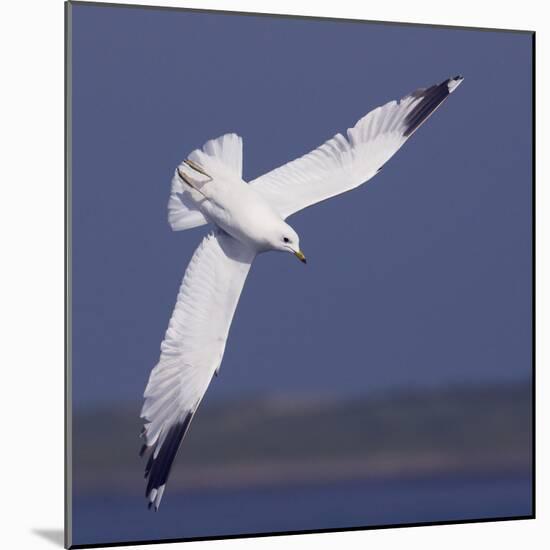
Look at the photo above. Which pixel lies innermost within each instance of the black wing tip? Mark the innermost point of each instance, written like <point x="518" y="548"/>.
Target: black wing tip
<point x="152" y="505"/>
<point x="452" y="83"/>
<point x="430" y="99"/>
<point x="158" y="468"/>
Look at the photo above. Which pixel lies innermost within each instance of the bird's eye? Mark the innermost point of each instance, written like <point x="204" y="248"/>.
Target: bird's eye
<point x="286" y="239"/>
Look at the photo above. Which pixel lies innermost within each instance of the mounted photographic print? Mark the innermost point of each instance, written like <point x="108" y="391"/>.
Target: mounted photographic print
<point x="299" y="274"/>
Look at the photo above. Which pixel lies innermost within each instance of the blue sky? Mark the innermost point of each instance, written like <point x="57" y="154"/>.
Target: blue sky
<point x="421" y="277"/>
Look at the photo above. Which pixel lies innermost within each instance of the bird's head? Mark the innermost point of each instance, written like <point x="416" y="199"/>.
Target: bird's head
<point x="285" y="239"/>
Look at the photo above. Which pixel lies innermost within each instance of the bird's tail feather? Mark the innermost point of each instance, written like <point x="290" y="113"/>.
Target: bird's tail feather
<point x="223" y="155"/>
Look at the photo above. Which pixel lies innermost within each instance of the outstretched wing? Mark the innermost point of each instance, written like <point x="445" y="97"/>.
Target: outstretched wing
<point x="192" y="351"/>
<point x="342" y="164"/>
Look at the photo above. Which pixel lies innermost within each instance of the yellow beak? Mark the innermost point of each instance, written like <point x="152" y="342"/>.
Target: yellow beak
<point x="300" y="255"/>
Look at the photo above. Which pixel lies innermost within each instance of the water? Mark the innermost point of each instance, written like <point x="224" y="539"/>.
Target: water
<point x="117" y="518"/>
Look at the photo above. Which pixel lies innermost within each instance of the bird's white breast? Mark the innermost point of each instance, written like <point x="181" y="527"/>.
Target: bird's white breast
<point x="238" y="209"/>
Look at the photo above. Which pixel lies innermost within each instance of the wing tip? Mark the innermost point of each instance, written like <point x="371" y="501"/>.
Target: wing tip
<point x="161" y="458"/>
<point x="454" y="83"/>
<point x="429" y="100"/>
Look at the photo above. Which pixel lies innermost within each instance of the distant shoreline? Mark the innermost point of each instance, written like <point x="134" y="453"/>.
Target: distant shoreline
<point x="266" y="473"/>
<point x="268" y="442"/>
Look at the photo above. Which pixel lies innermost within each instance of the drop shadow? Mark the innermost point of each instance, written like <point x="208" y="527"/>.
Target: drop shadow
<point x="52" y="535"/>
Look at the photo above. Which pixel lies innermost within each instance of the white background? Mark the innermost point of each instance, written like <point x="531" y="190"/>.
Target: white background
<point x="31" y="274"/>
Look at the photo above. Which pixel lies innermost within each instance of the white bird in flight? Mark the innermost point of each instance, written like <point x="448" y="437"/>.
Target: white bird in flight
<point x="248" y="218"/>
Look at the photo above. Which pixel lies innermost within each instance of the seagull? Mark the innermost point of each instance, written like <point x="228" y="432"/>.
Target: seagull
<point x="248" y="219"/>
